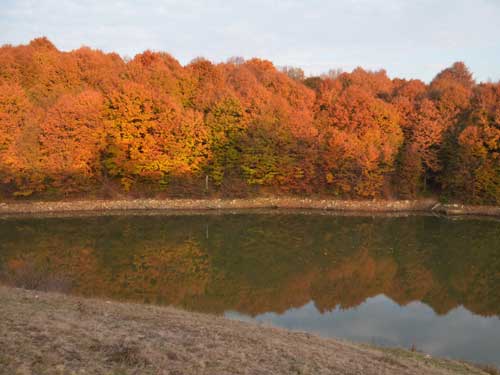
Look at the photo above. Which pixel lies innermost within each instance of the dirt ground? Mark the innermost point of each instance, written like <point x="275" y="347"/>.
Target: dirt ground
<point x="367" y="206"/>
<point x="47" y="333"/>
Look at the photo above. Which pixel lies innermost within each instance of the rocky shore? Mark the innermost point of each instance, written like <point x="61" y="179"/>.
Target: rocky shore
<point x="376" y="206"/>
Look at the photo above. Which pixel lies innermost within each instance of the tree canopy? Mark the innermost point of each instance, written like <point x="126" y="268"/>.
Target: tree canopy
<point x="86" y="121"/>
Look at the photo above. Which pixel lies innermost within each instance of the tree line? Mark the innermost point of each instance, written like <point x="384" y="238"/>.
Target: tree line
<point x="89" y="122"/>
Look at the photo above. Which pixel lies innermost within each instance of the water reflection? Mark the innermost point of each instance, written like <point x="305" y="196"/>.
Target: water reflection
<point x="420" y="281"/>
<point x="380" y="321"/>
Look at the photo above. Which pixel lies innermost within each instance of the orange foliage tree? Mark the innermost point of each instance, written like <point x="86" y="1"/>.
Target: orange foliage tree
<point x="360" y="137"/>
<point x="150" y="137"/>
<point x="19" y="151"/>
<point x="77" y="121"/>
<point x="278" y="148"/>
<point x="72" y="141"/>
<point x="475" y="172"/>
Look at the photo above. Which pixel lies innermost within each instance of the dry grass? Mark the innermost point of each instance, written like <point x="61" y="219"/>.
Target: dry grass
<point x="490" y="370"/>
<point x="46" y="333"/>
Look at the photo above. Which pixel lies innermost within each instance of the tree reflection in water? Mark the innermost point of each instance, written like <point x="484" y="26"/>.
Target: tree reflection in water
<point x="258" y="264"/>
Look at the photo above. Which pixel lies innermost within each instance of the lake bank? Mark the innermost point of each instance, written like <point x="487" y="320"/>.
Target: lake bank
<point x="47" y="333"/>
<point x="376" y="206"/>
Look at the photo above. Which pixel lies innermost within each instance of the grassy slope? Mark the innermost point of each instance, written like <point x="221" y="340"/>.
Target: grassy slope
<point x="45" y="333"/>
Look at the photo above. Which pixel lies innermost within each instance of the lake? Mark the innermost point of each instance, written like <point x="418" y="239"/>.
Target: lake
<point x="426" y="282"/>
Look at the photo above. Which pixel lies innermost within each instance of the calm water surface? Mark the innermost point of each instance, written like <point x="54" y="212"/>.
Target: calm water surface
<point x="428" y="282"/>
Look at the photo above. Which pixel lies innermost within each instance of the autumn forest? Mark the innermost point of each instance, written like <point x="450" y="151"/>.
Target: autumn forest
<point x="87" y="122"/>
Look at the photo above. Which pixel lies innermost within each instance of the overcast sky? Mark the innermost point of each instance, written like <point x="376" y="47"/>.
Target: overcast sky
<point x="411" y="39"/>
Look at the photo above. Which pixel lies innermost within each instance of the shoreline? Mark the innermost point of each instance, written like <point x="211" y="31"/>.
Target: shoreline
<point x="285" y="203"/>
<point x="50" y="331"/>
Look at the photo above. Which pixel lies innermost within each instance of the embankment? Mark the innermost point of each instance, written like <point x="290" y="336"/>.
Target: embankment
<point x="423" y="205"/>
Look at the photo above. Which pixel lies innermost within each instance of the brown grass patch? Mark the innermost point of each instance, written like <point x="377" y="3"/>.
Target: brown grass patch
<point x="47" y="333"/>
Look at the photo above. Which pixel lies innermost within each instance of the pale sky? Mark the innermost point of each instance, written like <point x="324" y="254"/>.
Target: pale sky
<point x="410" y="39"/>
<point x="459" y="333"/>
